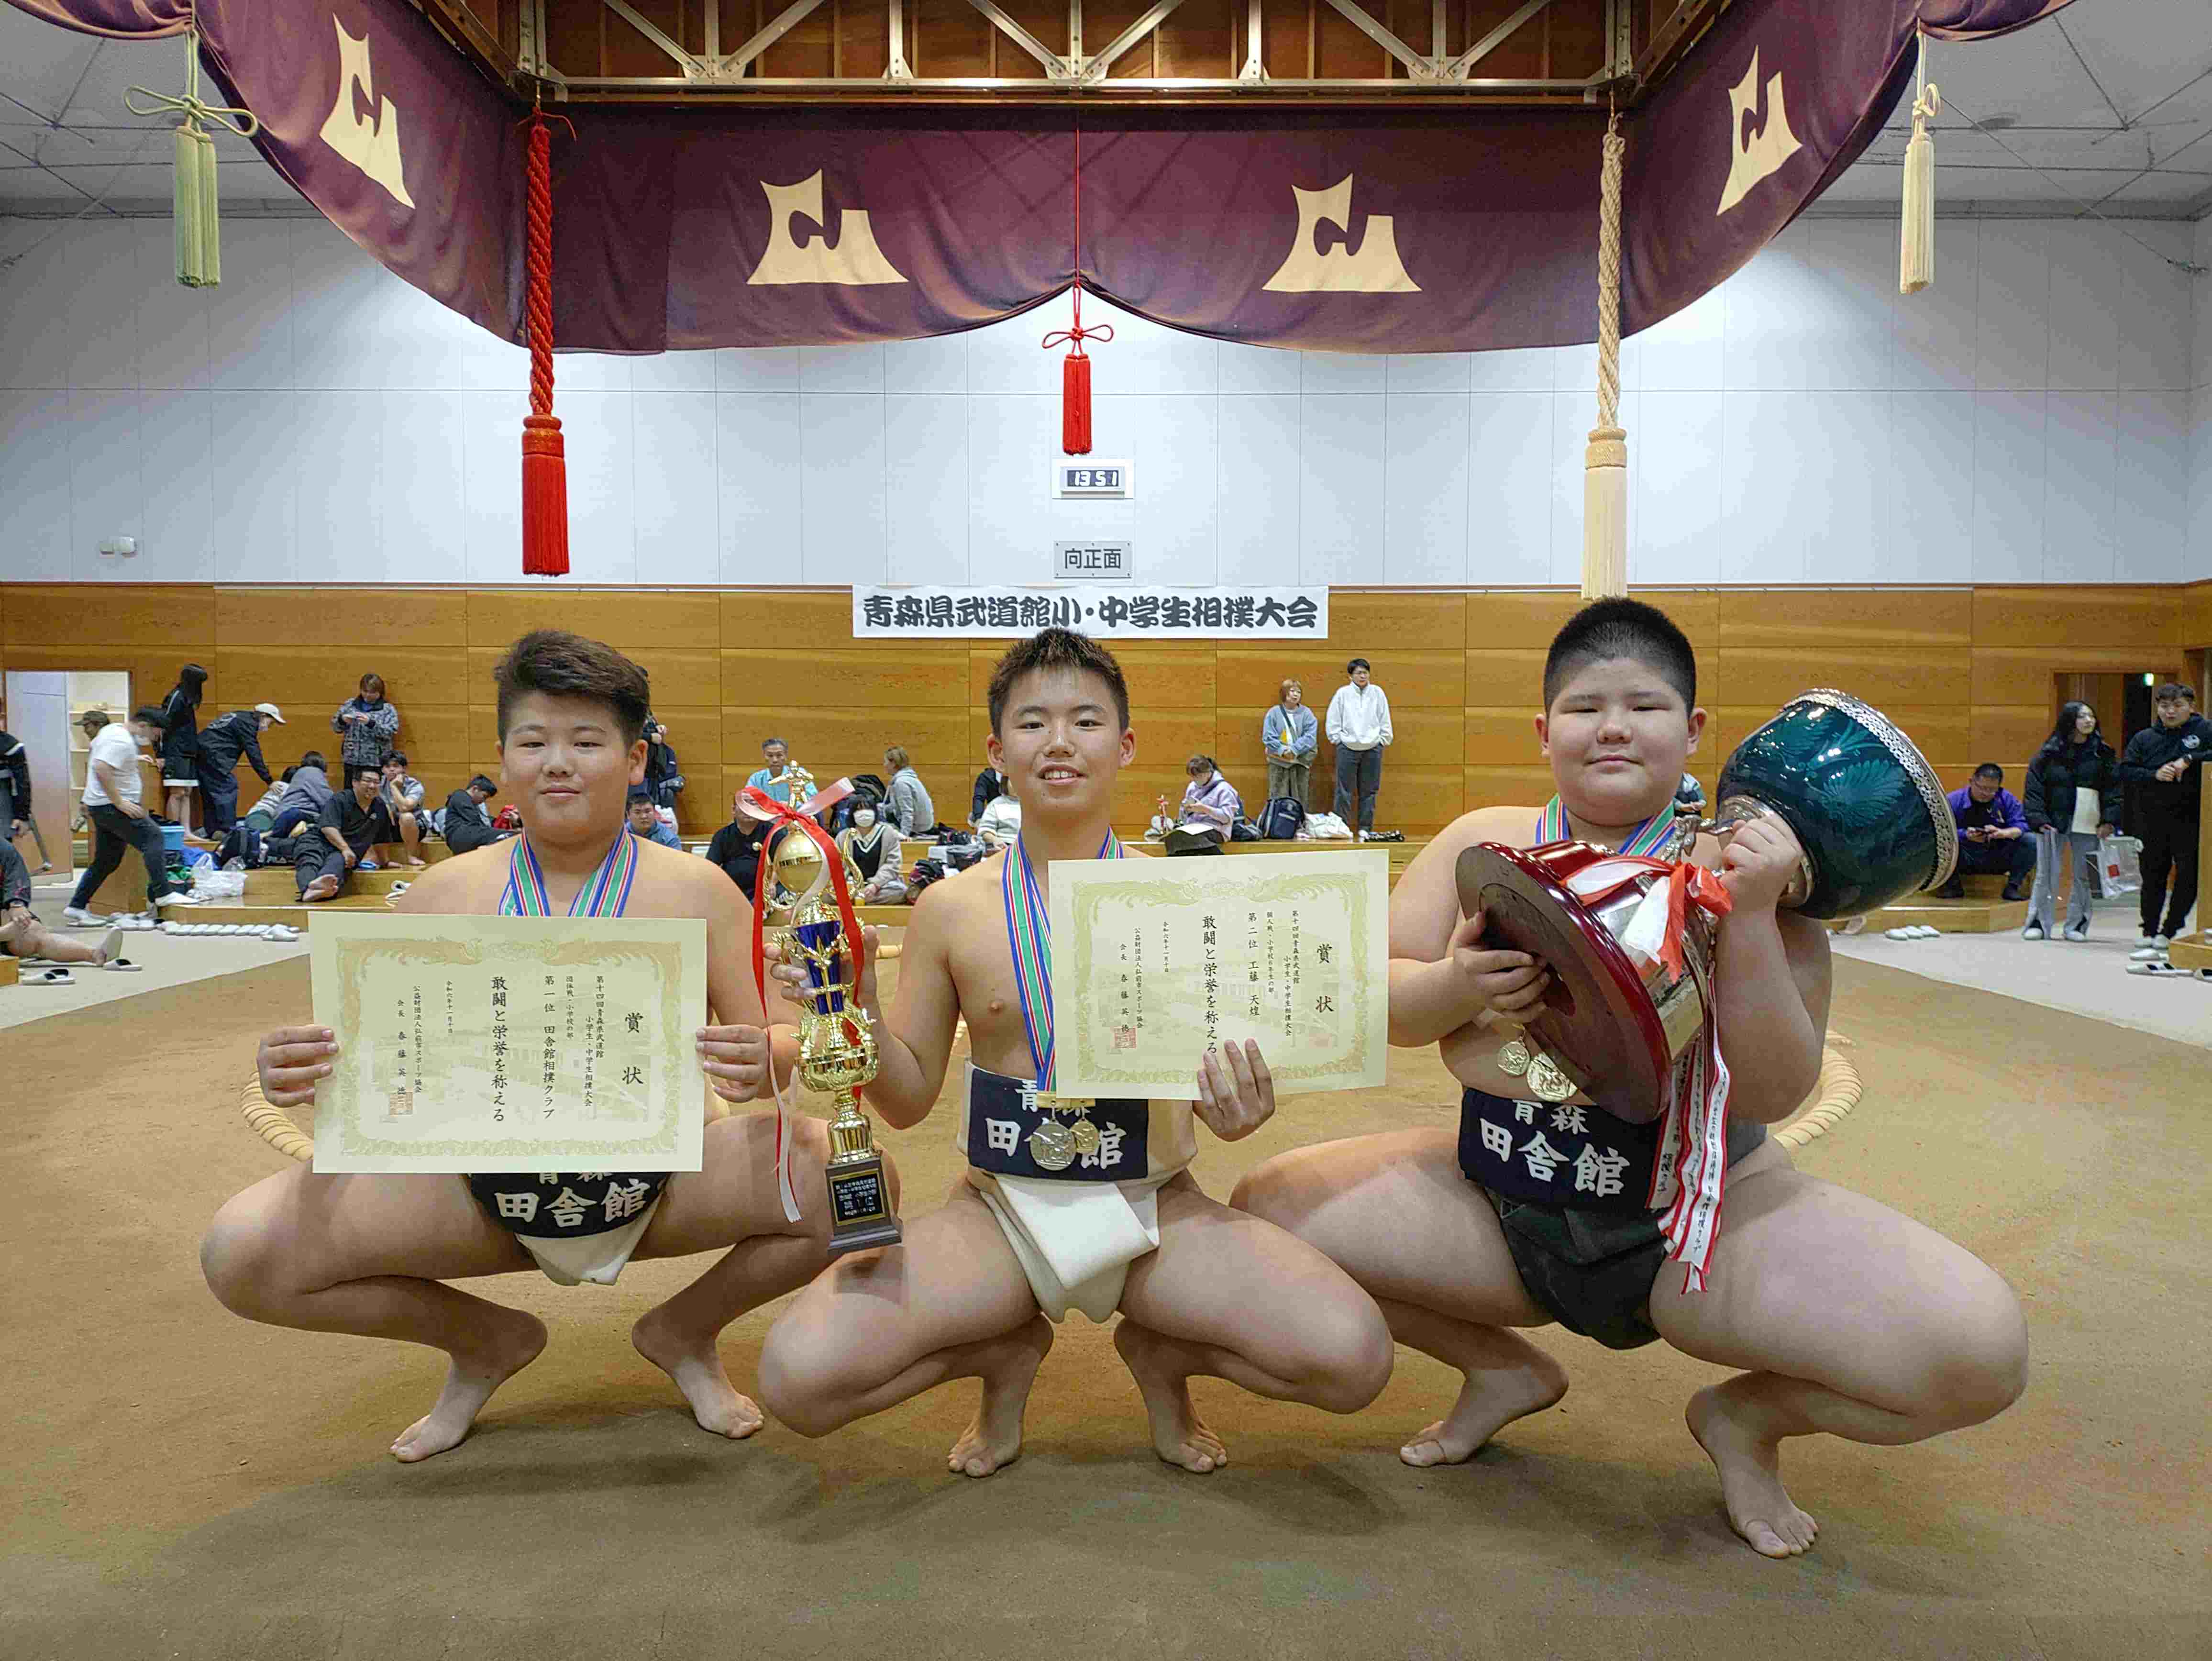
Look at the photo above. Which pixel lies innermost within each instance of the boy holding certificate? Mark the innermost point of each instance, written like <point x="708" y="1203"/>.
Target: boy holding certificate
<point x="1846" y="1317"/>
<point x="1067" y="1203"/>
<point x="370" y="1254"/>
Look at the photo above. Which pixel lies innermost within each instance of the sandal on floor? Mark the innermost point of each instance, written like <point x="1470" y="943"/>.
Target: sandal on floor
<point x="120" y="966"/>
<point x="2162" y="970"/>
<point x="50" y="977"/>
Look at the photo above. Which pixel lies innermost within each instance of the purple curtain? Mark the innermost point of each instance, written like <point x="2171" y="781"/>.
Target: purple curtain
<point x="124" y="20"/>
<point x="1353" y="229"/>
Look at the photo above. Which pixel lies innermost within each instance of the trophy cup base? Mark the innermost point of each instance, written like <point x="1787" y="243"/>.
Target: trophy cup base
<point x="859" y="1207"/>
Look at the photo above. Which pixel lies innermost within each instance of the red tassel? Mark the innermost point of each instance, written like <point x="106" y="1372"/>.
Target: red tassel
<point x="544" y="460"/>
<point x="1075" y="405"/>
<point x="545" y="498"/>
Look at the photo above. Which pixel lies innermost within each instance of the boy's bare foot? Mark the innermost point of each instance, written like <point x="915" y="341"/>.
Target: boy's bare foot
<point x="1179" y="1435"/>
<point x="1749" y="1464"/>
<point x="992" y="1439"/>
<point x="698" y="1372"/>
<point x="322" y="888"/>
<point x="470" y="1381"/>
<point x="1488" y="1402"/>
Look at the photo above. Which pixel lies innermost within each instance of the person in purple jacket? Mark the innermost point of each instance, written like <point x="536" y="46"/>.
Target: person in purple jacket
<point x="1992" y="836"/>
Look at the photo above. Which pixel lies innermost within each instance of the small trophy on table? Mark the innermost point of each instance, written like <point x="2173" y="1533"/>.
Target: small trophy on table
<point x="836" y="1045"/>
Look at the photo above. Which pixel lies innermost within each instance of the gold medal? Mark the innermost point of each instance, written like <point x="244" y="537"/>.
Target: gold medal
<point x="1084" y="1136"/>
<point x="1513" y="1060"/>
<point x="1052" y="1145"/>
<point x="1549" y="1083"/>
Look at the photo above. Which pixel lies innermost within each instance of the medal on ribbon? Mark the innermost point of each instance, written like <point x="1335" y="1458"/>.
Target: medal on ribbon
<point x="1053" y="1145"/>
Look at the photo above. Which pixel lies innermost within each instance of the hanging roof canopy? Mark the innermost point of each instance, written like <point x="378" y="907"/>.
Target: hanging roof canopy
<point x="745" y="200"/>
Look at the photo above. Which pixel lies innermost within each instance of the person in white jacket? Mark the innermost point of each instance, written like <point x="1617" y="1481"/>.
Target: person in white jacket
<point x="1360" y="727"/>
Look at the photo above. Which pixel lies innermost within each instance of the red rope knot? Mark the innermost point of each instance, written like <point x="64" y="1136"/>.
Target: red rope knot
<point x="1075" y="334"/>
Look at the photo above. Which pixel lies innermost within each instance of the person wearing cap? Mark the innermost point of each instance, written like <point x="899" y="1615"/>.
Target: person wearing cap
<point x="402" y="797"/>
<point x="223" y="741"/>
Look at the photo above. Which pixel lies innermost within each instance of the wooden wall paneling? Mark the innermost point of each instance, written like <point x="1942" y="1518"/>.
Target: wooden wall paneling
<point x="752" y="618"/>
<point x="2195" y="625"/>
<point x="927" y="676"/>
<point x="1499" y="738"/>
<point x="833" y="742"/>
<point x="1164" y="674"/>
<point x="1817" y="621"/>
<point x="320" y="679"/>
<point x="113" y="614"/>
<point x="1772" y="677"/>
<point x="2133" y="617"/>
<point x="321" y="616"/>
<point x="2007" y="734"/>
<point x="2028" y="674"/>
<point x="432" y="736"/>
<point x="1371" y="622"/>
<point x="1416" y="799"/>
<point x="1500" y="786"/>
<point x="152" y="672"/>
<point x="1252" y="676"/>
<point x="624" y="618"/>
<point x="1516" y="619"/>
<point x="1502" y="679"/>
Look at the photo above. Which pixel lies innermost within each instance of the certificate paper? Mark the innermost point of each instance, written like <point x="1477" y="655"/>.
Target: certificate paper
<point x="1155" y="962"/>
<point x="500" y="1045"/>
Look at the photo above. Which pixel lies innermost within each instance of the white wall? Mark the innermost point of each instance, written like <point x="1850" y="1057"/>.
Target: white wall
<point x="2199" y="558"/>
<point x="2032" y="418"/>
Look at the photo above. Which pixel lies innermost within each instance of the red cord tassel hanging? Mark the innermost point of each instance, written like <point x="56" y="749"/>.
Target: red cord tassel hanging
<point x="1075" y="369"/>
<point x="545" y="462"/>
<point x="1075" y="379"/>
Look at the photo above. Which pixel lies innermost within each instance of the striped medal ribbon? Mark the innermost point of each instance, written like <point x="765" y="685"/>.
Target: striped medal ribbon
<point x="603" y="895"/>
<point x="1645" y="840"/>
<point x="1053" y="1145"/>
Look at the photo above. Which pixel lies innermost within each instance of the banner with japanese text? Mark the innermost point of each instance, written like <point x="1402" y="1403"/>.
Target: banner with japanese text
<point x="1110" y="613"/>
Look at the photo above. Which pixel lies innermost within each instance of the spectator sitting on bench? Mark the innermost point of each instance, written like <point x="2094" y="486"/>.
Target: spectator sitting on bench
<point x="468" y="827"/>
<point x="646" y="822"/>
<point x="354" y="821"/>
<point x="403" y="806"/>
<point x="307" y="793"/>
<point x="1992" y="836"/>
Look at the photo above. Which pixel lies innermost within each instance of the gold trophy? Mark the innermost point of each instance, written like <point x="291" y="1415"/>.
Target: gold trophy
<point x="836" y="1045"/>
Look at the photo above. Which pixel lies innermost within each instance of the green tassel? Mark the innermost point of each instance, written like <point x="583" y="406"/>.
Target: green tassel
<point x="210" y="219"/>
<point x="199" y="250"/>
<point x="186" y="207"/>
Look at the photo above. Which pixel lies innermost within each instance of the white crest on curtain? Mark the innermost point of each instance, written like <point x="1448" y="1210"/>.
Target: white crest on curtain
<point x="1375" y="269"/>
<point x="371" y="146"/>
<point x="1753" y="158"/>
<point x="853" y="260"/>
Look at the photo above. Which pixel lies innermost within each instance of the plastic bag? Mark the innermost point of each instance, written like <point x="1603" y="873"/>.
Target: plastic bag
<point x="2120" y="866"/>
<point x="209" y="884"/>
<point x="1325" y="827"/>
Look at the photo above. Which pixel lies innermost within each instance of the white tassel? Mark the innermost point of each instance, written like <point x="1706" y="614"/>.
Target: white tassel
<point x="1916" y="265"/>
<point x="1605" y="514"/>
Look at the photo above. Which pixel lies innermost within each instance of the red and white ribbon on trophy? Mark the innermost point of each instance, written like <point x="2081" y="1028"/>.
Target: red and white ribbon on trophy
<point x="800" y="817"/>
<point x="1691" y="1172"/>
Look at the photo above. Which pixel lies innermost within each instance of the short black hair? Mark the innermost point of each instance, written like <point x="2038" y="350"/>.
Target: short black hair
<point x="638" y="793"/>
<point x="766" y="742"/>
<point x="1989" y="770"/>
<point x="148" y="715"/>
<point x="562" y="664"/>
<point x="1359" y="663"/>
<point x="399" y="757"/>
<point x="1622" y="628"/>
<point x="313" y="758"/>
<point x="2174" y="689"/>
<point x="1057" y="649"/>
<point x="480" y="782"/>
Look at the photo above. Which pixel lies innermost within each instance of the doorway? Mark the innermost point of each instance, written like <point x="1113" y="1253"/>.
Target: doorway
<point x="2121" y="698"/>
<point x="44" y="708"/>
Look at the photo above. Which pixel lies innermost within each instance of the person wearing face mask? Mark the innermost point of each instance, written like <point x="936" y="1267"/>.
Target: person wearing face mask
<point x="871" y="848"/>
<point x="2073" y="799"/>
